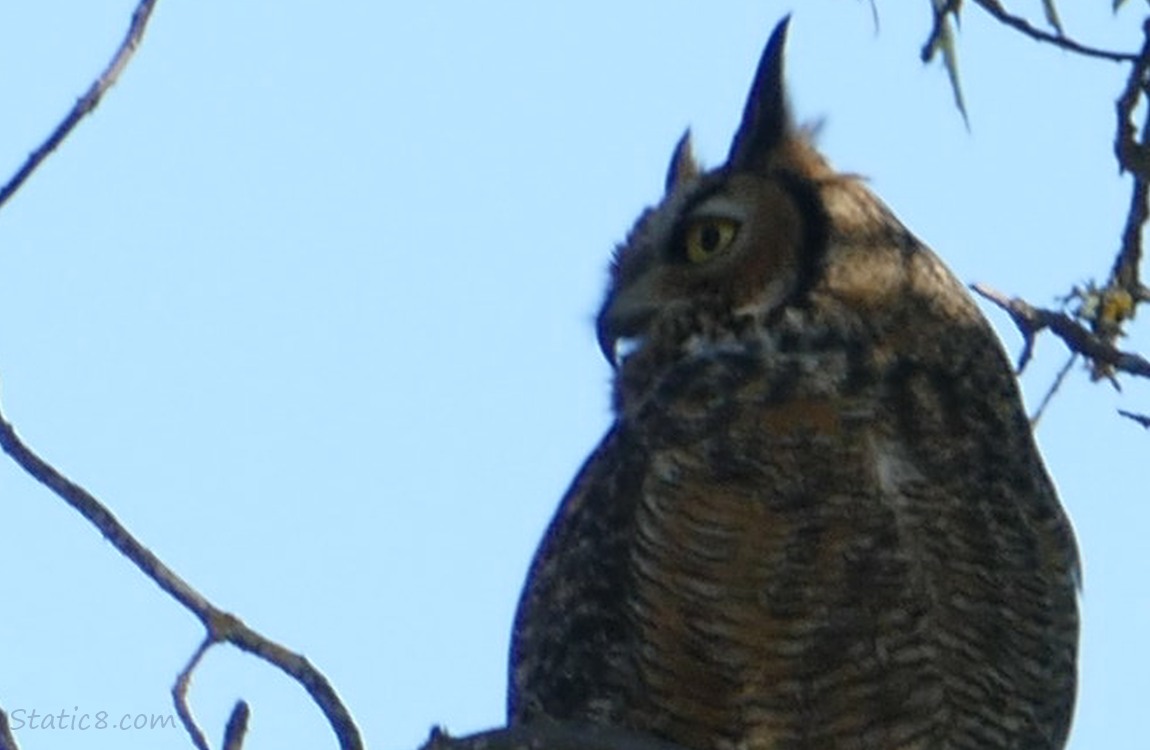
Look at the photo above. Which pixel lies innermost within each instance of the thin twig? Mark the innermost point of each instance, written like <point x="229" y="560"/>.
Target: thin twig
<point x="1132" y="156"/>
<point x="1126" y="266"/>
<point x="1141" y="419"/>
<point x="874" y="16"/>
<point x="1058" y="380"/>
<point x="307" y="675"/>
<point x="221" y="626"/>
<point x="87" y="102"/>
<point x="1021" y="24"/>
<point x="180" y="695"/>
<point x="942" y="38"/>
<point x="7" y="741"/>
<point x="1115" y="303"/>
<point x="1031" y="320"/>
<point x="938" y="28"/>
<point x="237" y="726"/>
<point x="100" y="517"/>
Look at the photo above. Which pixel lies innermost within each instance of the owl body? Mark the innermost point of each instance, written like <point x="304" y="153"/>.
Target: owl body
<point x="819" y="519"/>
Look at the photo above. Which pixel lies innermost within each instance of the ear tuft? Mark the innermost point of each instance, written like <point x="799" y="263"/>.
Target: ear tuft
<point x="766" y="116"/>
<point x="683" y="167"/>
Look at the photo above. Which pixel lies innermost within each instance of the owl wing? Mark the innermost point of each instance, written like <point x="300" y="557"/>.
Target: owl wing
<point x="569" y="654"/>
<point x="999" y="549"/>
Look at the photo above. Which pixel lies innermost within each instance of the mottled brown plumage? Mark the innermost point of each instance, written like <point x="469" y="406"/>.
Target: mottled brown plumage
<point x="820" y="519"/>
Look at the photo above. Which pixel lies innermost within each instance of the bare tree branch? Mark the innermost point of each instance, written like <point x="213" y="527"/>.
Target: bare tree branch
<point x="550" y="735"/>
<point x="995" y="9"/>
<point x="1032" y="320"/>
<point x="221" y="626"/>
<point x="1058" y="380"/>
<point x="942" y="38"/>
<point x="237" y="726"/>
<point x="939" y="28"/>
<point x="1134" y="156"/>
<point x="952" y="8"/>
<point x="1104" y="309"/>
<point x="87" y="102"/>
<point x="1141" y="419"/>
<point x="180" y="695"/>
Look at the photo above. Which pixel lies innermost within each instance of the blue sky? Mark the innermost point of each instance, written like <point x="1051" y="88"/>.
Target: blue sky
<point x="307" y="303"/>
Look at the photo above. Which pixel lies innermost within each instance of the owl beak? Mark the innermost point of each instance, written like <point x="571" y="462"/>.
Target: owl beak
<point x="621" y="325"/>
<point x="607" y="340"/>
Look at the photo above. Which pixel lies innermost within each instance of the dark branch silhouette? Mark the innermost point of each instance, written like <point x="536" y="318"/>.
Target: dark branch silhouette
<point x="221" y="626"/>
<point x="550" y="735"/>
<point x="237" y="726"/>
<point x="952" y="8"/>
<point x="180" y="696"/>
<point x="1103" y="310"/>
<point x="1059" y="379"/>
<point x="1141" y="419"/>
<point x="995" y="9"/>
<point x="87" y="102"/>
<point x="1132" y="153"/>
<point x="1033" y="320"/>
<point x="1091" y="332"/>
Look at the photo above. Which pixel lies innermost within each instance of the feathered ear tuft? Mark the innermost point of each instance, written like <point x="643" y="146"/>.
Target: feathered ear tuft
<point x="683" y="167"/>
<point x="766" y="116"/>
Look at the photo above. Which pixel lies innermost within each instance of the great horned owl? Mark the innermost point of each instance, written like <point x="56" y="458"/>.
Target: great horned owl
<point x="819" y="519"/>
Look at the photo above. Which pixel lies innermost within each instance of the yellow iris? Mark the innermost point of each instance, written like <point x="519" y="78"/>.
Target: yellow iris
<point x="707" y="236"/>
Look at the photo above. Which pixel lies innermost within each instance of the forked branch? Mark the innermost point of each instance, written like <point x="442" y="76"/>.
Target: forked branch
<point x="221" y="626"/>
<point x="1100" y="320"/>
<point x="1032" y="320"/>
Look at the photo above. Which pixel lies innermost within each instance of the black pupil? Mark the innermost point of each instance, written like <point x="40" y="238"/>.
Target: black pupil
<point x="710" y="238"/>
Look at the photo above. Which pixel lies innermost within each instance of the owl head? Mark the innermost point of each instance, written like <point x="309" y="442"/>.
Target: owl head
<point x="735" y="254"/>
<point x="745" y="236"/>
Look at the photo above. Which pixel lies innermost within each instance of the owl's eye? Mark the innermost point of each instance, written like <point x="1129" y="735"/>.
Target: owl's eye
<point x="707" y="236"/>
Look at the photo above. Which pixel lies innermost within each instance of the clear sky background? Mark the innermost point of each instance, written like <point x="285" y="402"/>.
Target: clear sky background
<point x="308" y="304"/>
